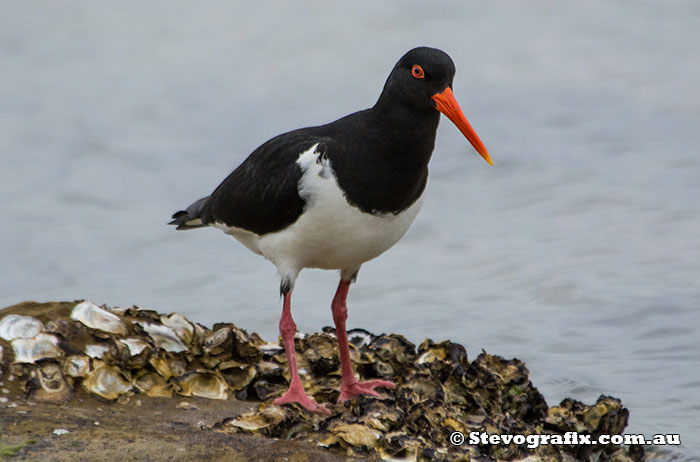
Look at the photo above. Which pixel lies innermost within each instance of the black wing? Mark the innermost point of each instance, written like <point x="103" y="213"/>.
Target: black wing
<point x="262" y="195"/>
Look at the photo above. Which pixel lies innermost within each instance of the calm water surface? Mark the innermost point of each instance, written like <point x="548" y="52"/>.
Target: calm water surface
<point x="577" y="252"/>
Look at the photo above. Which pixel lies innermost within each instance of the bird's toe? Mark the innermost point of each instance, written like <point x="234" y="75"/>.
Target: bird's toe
<point x="348" y="390"/>
<point x="301" y="398"/>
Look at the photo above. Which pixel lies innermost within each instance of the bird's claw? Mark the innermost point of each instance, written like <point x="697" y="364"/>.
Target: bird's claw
<point x="362" y="388"/>
<point x="300" y="397"/>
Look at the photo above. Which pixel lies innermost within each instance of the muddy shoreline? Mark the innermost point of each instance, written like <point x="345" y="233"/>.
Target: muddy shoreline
<point x="140" y="429"/>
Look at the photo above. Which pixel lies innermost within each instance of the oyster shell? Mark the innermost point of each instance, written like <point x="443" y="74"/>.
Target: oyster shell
<point x="98" y="318"/>
<point x="394" y="349"/>
<point x="382" y="417"/>
<point x="607" y="415"/>
<point x="402" y="447"/>
<point x="237" y="375"/>
<point x="218" y="342"/>
<point x="108" y="382"/>
<point x="265" y="417"/>
<point x="203" y="384"/>
<point x="359" y="337"/>
<point x="210" y="362"/>
<point x="271" y="349"/>
<point x="227" y="338"/>
<point x="76" y="365"/>
<point x="182" y="327"/>
<point x="163" y="337"/>
<point x="31" y="350"/>
<point x="355" y="434"/>
<point x="97" y="350"/>
<point x="321" y="353"/>
<point x="135" y="345"/>
<point x="168" y="364"/>
<point x="154" y="385"/>
<point x="15" y="326"/>
<point x="246" y="345"/>
<point x="270" y="370"/>
<point x="264" y="389"/>
<point x="50" y="386"/>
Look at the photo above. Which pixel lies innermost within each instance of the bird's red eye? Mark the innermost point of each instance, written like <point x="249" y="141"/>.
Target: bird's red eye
<point x="417" y="72"/>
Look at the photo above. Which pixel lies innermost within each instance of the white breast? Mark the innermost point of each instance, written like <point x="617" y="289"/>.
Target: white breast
<point x="330" y="233"/>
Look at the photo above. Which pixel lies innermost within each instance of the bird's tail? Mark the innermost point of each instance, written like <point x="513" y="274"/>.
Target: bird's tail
<point x="192" y="217"/>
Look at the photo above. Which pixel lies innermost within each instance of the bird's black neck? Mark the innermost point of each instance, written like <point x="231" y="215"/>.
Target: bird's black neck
<point x="407" y="133"/>
<point x="385" y="168"/>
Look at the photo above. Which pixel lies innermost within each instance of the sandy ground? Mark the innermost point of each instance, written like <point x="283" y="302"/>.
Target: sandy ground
<point x="142" y="429"/>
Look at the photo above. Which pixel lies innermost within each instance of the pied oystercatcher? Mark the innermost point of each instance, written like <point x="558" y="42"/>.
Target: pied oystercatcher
<point x="337" y="195"/>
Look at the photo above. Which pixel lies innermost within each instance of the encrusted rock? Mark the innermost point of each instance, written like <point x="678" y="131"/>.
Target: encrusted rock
<point x="115" y="353"/>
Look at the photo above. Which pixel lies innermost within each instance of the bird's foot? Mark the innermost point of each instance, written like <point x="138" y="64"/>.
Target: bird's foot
<point x="298" y="395"/>
<point x="355" y="388"/>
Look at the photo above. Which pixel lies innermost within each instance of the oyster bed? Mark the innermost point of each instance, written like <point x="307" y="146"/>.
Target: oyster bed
<point x="51" y="351"/>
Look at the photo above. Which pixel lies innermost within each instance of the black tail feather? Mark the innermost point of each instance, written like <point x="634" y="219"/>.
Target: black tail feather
<point x="190" y="218"/>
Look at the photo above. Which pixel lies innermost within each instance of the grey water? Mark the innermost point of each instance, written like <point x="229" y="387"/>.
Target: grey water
<point x="577" y="252"/>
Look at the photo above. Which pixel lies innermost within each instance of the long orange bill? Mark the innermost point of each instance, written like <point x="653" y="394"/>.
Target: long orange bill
<point x="447" y="104"/>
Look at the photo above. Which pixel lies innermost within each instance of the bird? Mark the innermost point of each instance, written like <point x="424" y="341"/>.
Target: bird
<point x="335" y="196"/>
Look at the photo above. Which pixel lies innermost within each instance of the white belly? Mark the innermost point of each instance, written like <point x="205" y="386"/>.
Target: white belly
<point x="330" y="234"/>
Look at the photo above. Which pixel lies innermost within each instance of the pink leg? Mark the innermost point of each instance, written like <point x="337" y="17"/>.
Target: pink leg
<point x="296" y="393"/>
<point x="349" y="386"/>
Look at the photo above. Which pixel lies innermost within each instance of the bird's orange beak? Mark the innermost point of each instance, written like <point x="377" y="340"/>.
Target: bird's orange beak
<point x="447" y="104"/>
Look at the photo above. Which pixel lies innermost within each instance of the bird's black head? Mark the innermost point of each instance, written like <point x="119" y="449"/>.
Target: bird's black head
<point x="419" y="74"/>
<point x="421" y="82"/>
